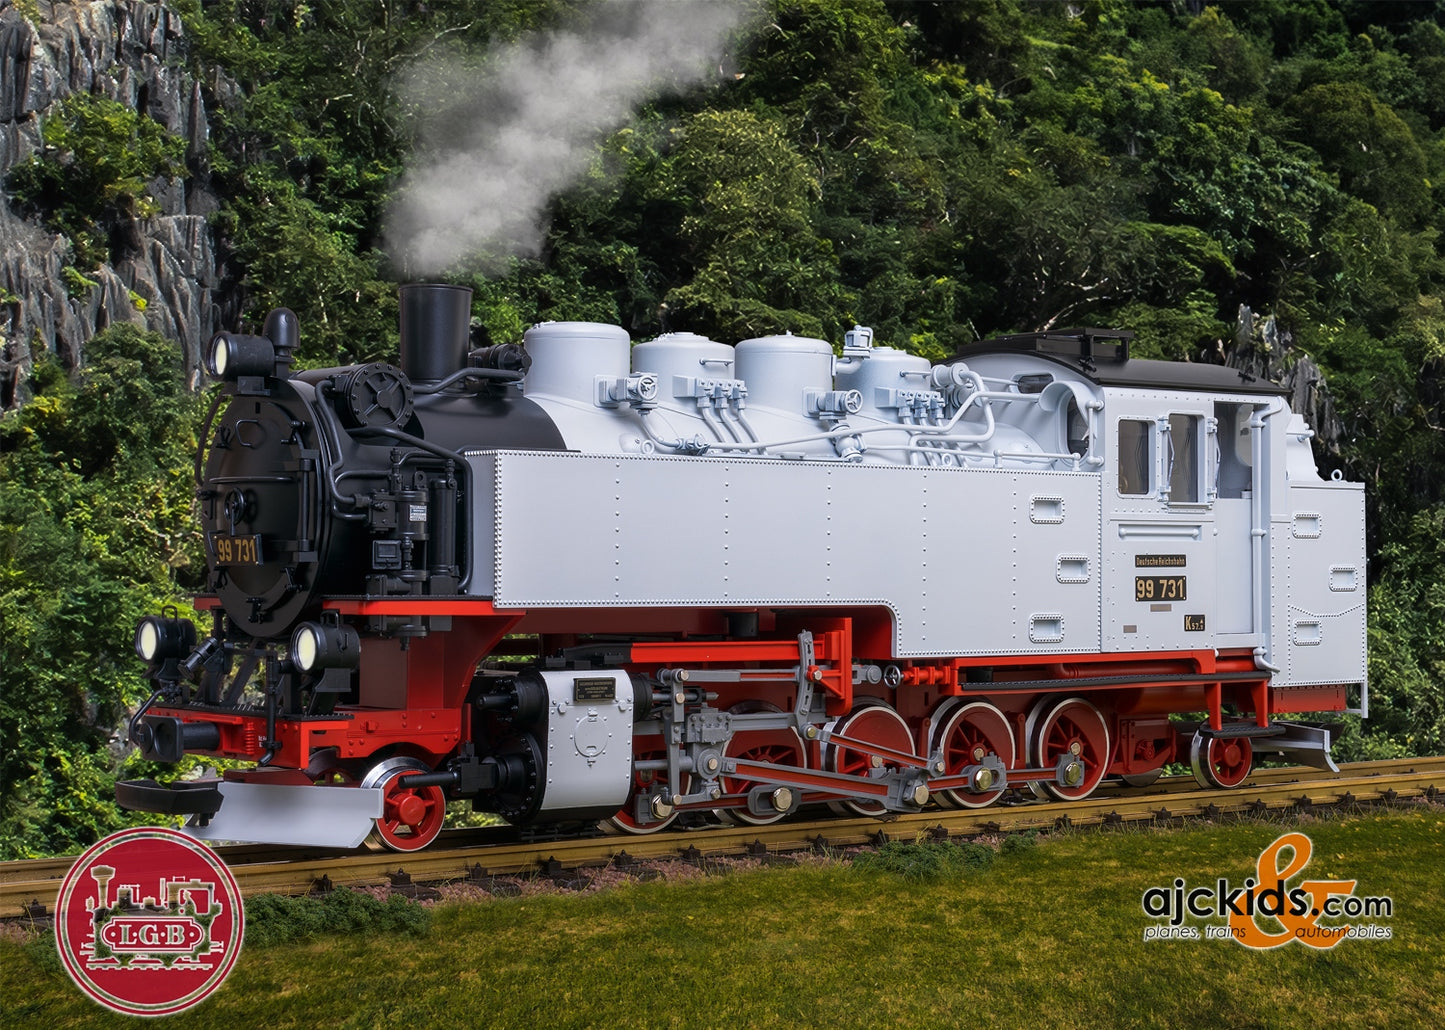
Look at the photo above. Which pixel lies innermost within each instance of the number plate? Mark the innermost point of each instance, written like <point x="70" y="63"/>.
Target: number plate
<point x="237" y="550"/>
<point x="1159" y="588"/>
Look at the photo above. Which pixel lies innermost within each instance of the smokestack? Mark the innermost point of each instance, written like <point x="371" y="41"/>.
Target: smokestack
<point x="435" y="330"/>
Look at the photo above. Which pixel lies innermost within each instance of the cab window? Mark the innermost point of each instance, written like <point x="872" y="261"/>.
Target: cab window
<point x="1135" y="456"/>
<point x="1185" y="462"/>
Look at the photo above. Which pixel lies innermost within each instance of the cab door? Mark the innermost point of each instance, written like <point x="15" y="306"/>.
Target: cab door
<point x="1159" y="543"/>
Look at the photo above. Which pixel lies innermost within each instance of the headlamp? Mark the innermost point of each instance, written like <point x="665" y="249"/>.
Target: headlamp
<point x="231" y="356"/>
<point x="316" y="646"/>
<point x="159" y="638"/>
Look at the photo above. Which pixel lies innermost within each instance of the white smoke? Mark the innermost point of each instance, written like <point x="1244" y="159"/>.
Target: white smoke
<point x="501" y="136"/>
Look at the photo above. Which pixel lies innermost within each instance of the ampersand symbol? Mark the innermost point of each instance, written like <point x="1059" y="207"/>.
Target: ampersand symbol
<point x="1298" y="926"/>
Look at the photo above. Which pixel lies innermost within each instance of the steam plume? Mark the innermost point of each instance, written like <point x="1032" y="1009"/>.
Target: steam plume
<point x="499" y="139"/>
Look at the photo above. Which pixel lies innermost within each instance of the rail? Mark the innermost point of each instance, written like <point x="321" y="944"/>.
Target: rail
<point x="461" y="854"/>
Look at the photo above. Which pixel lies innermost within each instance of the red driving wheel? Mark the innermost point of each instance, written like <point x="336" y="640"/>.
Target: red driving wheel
<point x="969" y="733"/>
<point x="876" y="723"/>
<point x="1072" y="727"/>
<point x="649" y="783"/>
<point x="775" y="747"/>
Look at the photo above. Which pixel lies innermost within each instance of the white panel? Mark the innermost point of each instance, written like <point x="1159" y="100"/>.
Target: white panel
<point x="1233" y="563"/>
<point x="1173" y="545"/>
<point x="1322" y="589"/>
<point x="953" y="552"/>
<point x="589" y="742"/>
<point x="274" y="813"/>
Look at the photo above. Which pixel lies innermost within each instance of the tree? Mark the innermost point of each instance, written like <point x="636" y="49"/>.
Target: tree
<point x="96" y="529"/>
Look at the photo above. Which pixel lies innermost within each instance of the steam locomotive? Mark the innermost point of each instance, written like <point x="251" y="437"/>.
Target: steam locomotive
<point x="583" y="580"/>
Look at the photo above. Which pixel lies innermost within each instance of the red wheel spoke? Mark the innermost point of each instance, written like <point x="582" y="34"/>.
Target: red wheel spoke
<point x="969" y="733"/>
<point x="878" y="724"/>
<point x="774" y="747"/>
<point x="411" y="817"/>
<point x="1075" y="730"/>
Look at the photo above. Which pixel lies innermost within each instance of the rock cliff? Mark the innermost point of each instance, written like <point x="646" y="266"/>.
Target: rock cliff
<point x="133" y="52"/>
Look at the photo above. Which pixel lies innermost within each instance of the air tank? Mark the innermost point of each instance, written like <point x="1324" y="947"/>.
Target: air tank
<point x="568" y="358"/>
<point x="780" y="371"/>
<point x="686" y="366"/>
<point x="885" y="378"/>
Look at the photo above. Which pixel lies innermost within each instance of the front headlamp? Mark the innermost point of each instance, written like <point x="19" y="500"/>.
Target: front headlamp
<point x="316" y="646"/>
<point x="159" y="638"/>
<point x="232" y="356"/>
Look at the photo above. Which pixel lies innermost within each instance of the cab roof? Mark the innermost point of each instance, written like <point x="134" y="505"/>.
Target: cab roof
<point x="1102" y="356"/>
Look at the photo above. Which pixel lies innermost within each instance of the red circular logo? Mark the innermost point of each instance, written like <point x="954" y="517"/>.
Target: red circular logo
<point x="149" y="922"/>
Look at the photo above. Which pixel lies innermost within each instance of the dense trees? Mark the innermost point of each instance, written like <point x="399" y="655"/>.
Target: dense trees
<point x="940" y="171"/>
<point x="96" y="530"/>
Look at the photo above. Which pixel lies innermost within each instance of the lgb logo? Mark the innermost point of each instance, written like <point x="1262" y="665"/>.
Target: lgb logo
<point x="149" y="954"/>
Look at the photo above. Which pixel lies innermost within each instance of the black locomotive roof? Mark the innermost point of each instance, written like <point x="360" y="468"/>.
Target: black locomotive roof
<point x="1102" y="356"/>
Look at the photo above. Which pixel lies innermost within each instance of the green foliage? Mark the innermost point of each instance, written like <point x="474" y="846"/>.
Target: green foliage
<point x="94" y="172"/>
<point x="342" y="914"/>
<point x="745" y="197"/>
<point x="1367" y="144"/>
<point x="1407" y="649"/>
<point x="96" y="529"/>
<point x="927" y="860"/>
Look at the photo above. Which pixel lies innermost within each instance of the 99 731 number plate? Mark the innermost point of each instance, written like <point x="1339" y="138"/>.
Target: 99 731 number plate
<point x="237" y="550"/>
<point x="1159" y="588"/>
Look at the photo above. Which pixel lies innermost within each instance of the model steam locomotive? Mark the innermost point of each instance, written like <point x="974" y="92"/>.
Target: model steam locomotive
<point x="586" y="580"/>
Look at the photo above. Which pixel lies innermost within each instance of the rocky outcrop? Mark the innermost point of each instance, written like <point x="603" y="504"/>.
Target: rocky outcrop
<point x="1266" y="351"/>
<point x="133" y="52"/>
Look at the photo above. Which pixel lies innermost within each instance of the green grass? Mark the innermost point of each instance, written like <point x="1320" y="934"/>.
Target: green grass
<point x="1045" y="936"/>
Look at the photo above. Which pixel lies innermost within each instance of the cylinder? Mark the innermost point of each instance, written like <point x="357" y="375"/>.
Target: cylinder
<point x="567" y="358"/>
<point x="435" y="330"/>
<point x="779" y="370"/>
<point x="683" y="356"/>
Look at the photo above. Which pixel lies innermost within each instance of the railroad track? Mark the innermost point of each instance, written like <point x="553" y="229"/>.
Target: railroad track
<point x="482" y="854"/>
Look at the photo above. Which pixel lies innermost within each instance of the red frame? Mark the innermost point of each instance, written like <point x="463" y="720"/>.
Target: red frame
<point x="413" y="700"/>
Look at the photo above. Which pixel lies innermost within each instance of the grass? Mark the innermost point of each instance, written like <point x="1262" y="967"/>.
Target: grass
<point x="1043" y="936"/>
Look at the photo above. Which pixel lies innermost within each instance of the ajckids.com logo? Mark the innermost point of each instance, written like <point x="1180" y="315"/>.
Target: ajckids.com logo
<point x="149" y="922"/>
<point x="1267" y="911"/>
